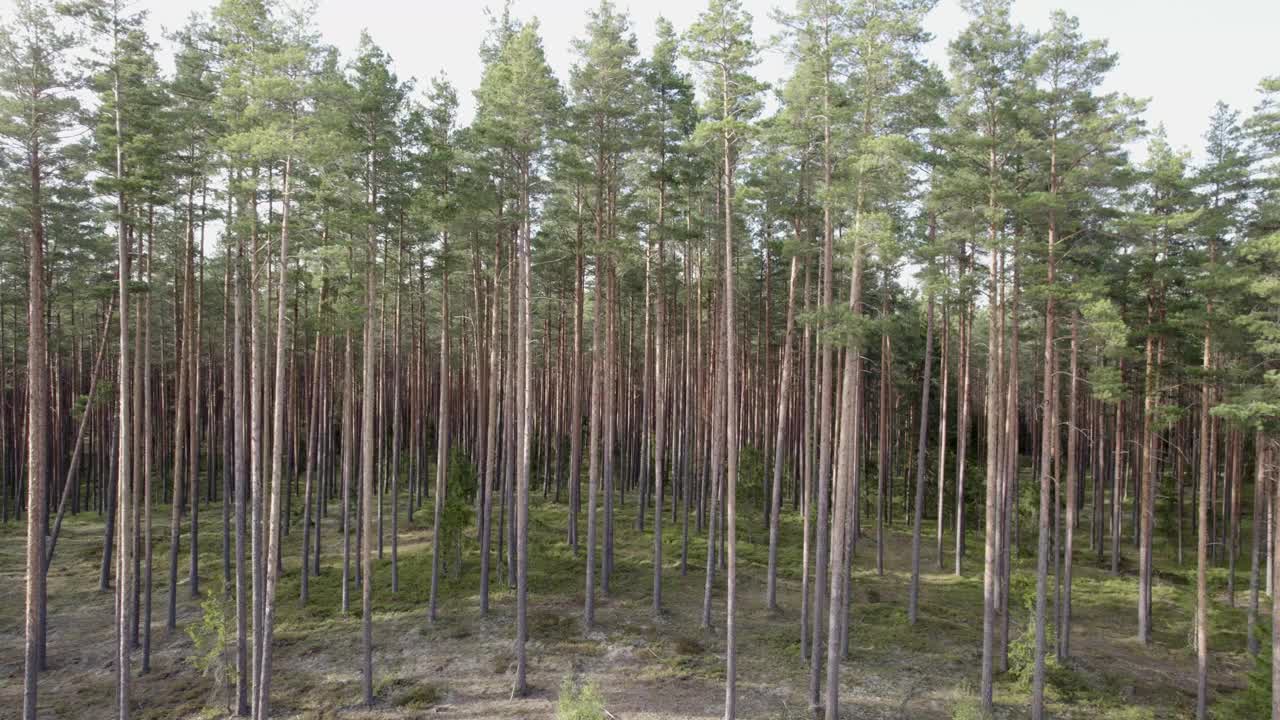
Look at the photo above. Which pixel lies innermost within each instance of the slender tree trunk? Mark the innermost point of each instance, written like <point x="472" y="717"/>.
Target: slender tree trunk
<point x="396" y="420"/>
<point x="38" y="440"/>
<point x="1202" y="528"/>
<point x="442" y="439"/>
<point x="257" y="381"/>
<point x="844" y="490"/>
<point x="181" y="433"/>
<point x="575" y="412"/>
<point x="1275" y="606"/>
<point x="313" y="474"/>
<point x="659" y="413"/>
<point x="39" y="401"/>
<point x="942" y="431"/>
<point x="1260" y="499"/>
<point x="367" y="448"/>
<point x="731" y="436"/>
<point x="262" y="703"/>
<point x="806" y="472"/>
<point x="522" y="491"/>
<point x="784" y="384"/>
<point x="715" y="466"/>
<point x="962" y="428"/>
<point x="593" y="447"/>
<point x="826" y="429"/>
<point x="1048" y="445"/>
<point x="243" y="668"/>
<point x="147" y="451"/>
<point x="994" y="417"/>
<point x="348" y="461"/>
<point x="913" y="599"/>
<point x="1073" y="480"/>
<point x="882" y="445"/>
<point x="491" y="473"/>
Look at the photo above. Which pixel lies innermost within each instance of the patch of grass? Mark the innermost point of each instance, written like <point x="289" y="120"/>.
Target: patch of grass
<point x="966" y="705"/>
<point x="408" y="693"/>
<point x="687" y="646"/>
<point x="579" y="703"/>
<point x="501" y="661"/>
<point x="551" y="627"/>
<point x="703" y="666"/>
<point x="1255" y="699"/>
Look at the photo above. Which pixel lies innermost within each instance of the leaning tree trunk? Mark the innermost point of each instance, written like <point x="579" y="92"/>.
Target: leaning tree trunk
<point x="69" y="484"/>
<point x="313" y="475"/>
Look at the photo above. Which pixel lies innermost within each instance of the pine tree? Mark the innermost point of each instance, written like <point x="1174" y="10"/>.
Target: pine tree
<point x="985" y="59"/>
<point x="720" y="43"/>
<point x="519" y="100"/>
<point x="35" y="95"/>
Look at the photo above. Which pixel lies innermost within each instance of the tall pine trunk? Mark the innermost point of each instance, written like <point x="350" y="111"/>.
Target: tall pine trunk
<point x="784" y="384"/>
<point x="913" y="599"/>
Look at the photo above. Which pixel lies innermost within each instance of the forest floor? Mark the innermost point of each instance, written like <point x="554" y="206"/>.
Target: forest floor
<point x="462" y="666"/>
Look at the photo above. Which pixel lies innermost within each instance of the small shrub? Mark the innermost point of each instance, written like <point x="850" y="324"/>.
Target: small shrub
<point x="751" y="472"/>
<point x="457" y="512"/>
<point x="212" y="655"/>
<point x="406" y="692"/>
<point x="688" y="646"/>
<point x="579" y="703"/>
<point x="1022" y="651"/>
<point x="1255" y="699"/>
<point x="418" y="697"/>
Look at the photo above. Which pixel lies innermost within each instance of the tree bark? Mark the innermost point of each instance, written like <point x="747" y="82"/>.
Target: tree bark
<point x="38" y="439"/>
<point x="262" y="703"/>
<point x="442" y="438"/>
<point x="913" y="599"/>
<point x="784" y="384"/>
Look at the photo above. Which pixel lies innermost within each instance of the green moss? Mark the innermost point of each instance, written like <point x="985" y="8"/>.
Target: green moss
<point x="408" y="693"/>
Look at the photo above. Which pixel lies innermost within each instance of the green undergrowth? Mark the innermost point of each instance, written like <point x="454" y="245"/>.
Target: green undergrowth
<point x="943" y="647"/>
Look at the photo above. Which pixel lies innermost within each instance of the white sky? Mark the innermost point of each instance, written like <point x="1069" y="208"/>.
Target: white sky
<point x="1182" y="54"/>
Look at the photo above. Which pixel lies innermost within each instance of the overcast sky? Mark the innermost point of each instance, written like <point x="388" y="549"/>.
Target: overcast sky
<point x="1184" y="55"/>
